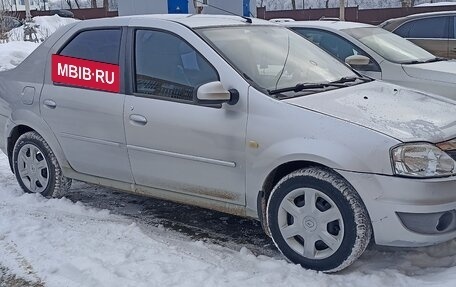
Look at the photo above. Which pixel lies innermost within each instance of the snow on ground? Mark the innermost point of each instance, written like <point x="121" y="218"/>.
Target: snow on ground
<point x="56" y="242"/>
<point x="46" y="26"/>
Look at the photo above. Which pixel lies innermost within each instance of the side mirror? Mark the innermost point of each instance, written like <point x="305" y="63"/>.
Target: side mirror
<point x="357" y="60"/>
<point x="214" y="93"/>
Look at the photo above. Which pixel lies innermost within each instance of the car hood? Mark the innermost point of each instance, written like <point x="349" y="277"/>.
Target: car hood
<point x="444" y="71"/>
<point x="400" y="113"/>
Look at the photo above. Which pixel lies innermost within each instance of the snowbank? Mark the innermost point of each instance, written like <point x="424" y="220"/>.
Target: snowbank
<point x="13" y="53"/>
<point x="46" y="26"/>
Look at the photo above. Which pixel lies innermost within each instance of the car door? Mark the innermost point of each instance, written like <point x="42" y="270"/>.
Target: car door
<point x="432" y="34"/>
<point x="84" y="109"/>
<point x="340" y="48"/>
<point x="173" y="143"/>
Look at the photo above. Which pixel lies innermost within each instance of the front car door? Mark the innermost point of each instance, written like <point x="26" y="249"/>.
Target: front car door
<point x="88" y="120"/>
<point x="340" y="48"/>
<point x="173" y="143"/>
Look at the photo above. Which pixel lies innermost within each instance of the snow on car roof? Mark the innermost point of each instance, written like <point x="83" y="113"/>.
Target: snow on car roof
<point x="192" y="21"/>
<point x="335" y="25"/>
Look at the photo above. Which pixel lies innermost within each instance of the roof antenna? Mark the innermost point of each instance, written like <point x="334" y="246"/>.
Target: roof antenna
<point x="247" y="19"/>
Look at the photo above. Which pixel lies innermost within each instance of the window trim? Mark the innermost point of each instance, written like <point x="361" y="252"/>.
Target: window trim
<point x="411" y="21"/>
<point x="69" y="40"/>
<point x="131" y="56"/>
<point x="121" y="64"/>
<point x="377" y="68"/>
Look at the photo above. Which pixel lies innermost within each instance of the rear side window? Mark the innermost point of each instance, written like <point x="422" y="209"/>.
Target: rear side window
<point x="96" y="45"/>
<point x="168" y="67"/>
<point x="436" y="27"/>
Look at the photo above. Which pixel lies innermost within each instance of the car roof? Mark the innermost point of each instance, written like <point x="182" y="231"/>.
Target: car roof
<point x="189" y="20"/>
<point x="421" y="15"/>
<point x="334" y="25"/>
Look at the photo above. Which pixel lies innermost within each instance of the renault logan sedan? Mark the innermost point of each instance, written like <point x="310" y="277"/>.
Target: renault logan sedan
<point x="245" y="118"/>
<point x="386" y="56"/>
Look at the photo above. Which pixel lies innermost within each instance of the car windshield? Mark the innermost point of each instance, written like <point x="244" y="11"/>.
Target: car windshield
<point x="390" y="46"/>
<point x="274" y="57"/>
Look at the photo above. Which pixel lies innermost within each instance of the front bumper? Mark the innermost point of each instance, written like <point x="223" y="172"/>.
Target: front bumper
<point x="408" y="212"/>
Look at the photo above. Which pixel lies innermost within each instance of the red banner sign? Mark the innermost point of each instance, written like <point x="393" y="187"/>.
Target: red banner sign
<point x="85" y="74"/>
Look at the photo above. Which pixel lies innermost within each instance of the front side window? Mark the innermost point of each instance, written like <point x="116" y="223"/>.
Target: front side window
<point x="336" y="46"/>
<point x="436" y="27"/>
<point x="96" y="45"/>
<point x="390" y="46"/>
<point x="274" y="57"/>
<point x="168" y="67"/>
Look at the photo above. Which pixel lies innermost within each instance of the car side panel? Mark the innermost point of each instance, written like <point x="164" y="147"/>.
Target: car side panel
<point x="310" y="137"/>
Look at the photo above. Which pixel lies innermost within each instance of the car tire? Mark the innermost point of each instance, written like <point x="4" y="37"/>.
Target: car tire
<point x="36" y="167"/>
<point x="317" y="220"/>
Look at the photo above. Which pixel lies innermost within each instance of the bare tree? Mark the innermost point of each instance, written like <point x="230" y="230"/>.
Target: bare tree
<point x="406" y="3"/>
<point x="327" y="4"/>
<point x="93" y="3"/>
<point x="293" y="4"/>
<point x="106" y="4"/>
<point x="70" y="3"/>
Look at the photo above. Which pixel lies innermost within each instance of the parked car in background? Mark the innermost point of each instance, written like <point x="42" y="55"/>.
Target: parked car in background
<point x="8" y="23"/>
<point x="281" y="20"/>
<point x="435" y="31"/>
<point x="237" y="115"/>
<point x="386" y="56"/>
<point x="63" y="13"/>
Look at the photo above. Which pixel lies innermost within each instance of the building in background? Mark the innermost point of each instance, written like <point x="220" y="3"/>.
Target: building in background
<point x="238" y="7"/>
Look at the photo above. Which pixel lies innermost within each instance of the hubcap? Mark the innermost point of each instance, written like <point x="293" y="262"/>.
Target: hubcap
<point x="311" y="223"/>
<point x="33" y="168"/>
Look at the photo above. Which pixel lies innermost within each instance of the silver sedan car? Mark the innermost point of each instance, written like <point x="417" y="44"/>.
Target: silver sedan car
<point x="386" y="56"/>
<point x="236" y="115"/>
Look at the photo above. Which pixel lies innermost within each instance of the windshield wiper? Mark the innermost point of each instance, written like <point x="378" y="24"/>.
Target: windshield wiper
<point x="436" y="59"/>
<point x="305" y="86"/>
<point x="351" y="79"/>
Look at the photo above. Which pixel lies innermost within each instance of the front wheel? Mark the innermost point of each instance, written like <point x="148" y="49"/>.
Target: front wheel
<point x="317" y="220"/>
<point x="36" y="167"/>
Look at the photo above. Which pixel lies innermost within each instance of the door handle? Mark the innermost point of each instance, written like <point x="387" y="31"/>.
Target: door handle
<point x="138" y="120"/>
<point x="50" y="104"/>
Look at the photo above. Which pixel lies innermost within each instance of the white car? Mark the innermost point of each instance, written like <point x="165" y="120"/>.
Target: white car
<point x="389" y="57"/>
<point x="237" y="115"/>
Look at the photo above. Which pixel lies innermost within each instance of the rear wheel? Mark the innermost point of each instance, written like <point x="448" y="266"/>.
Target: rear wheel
<point x="36" y="167"/>
<point x="317" y="220"/>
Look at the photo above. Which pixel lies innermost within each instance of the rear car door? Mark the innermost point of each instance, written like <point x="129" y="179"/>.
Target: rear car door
<point x="175" y="144"/>
<point x="432" y="34"/>
<point x="82" y="101"/>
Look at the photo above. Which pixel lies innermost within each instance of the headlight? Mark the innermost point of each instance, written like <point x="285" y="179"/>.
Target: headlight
<point x="422" y="160"/>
